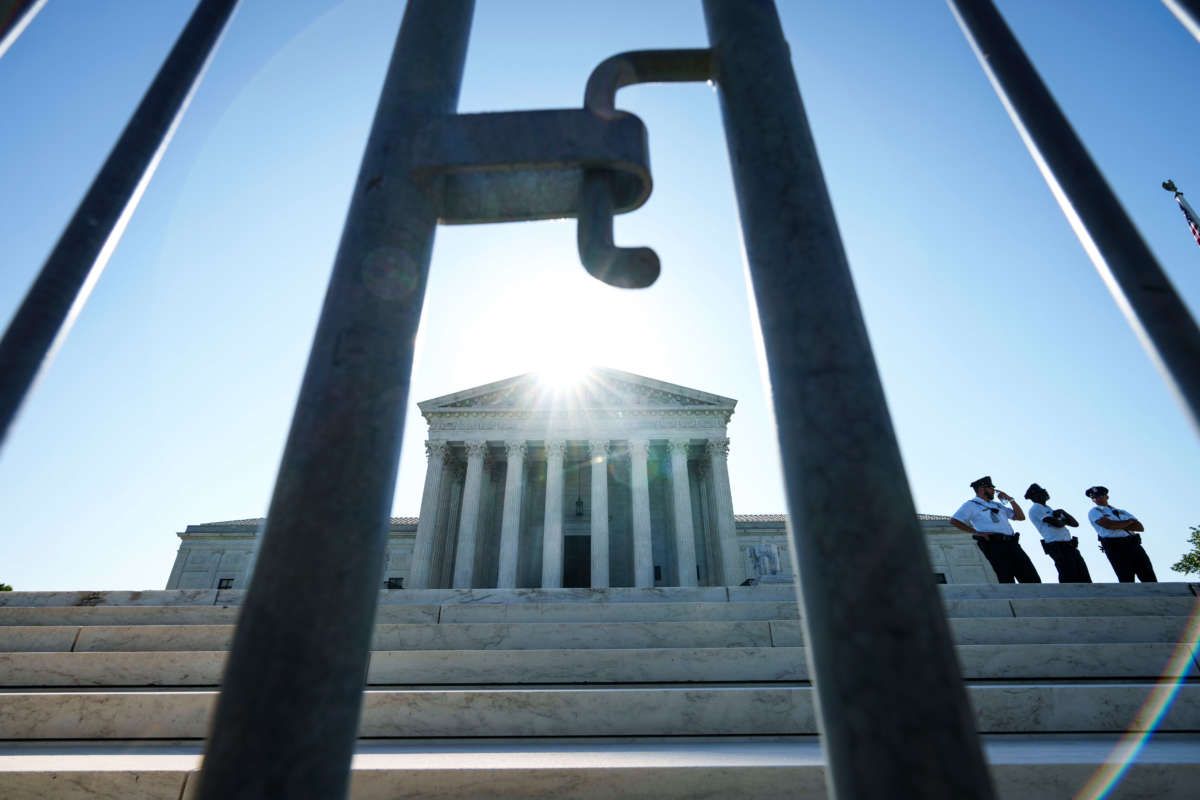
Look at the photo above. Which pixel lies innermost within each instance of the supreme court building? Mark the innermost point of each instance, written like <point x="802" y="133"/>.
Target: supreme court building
<point x="620" y="480"/>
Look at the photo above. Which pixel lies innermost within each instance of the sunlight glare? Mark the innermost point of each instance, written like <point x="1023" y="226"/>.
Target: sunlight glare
<point x="558" y="324"/>
<point x="562" y="374"/>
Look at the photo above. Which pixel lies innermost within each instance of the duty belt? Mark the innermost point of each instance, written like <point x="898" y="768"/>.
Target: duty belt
<point x="1132" y="537"/>
<point x="1073" y="542"/>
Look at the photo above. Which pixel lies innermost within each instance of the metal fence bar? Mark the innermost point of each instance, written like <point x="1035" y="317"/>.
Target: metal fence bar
<point x="75" y="263"/>
<point x="1188" y="14"/>
<point x="15" y="16"/>
<point x="893" y="709"/>
<point x="628" y="267"/>
<point x="288" y="713"/>
<point x="1141" y="289"/>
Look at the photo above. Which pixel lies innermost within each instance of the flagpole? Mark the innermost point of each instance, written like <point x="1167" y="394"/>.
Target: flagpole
<point x="1189" y="213"/>
<point x="1183" y="204"/>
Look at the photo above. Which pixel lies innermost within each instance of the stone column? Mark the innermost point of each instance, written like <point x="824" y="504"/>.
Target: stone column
<point x="420" y="567"/>
<point x="444" y="544"/>
<point x="598" y="451"/>
<point x="685" y="539"/>
<point x="552" y="529"/>
<point x="709" y="557"/>
<point x="731" y="557"/>
<point x="468" y="524"/>
<point x="510" y="527"/>
<point x="643" y="555"/>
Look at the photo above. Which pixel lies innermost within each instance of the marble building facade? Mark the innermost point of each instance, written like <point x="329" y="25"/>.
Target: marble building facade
<point x="620" y="480"/>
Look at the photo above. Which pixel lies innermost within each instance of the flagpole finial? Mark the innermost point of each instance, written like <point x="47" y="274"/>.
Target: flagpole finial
<point x="1169" y="185"/>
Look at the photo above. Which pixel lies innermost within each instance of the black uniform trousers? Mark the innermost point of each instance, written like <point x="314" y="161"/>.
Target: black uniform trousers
<point x="1010" y="562"/>
<point x="1128" y="559"/>
<point x="1071" y="566"/>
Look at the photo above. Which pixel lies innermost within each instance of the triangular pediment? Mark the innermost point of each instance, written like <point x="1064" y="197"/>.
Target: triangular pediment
<point x="599" y="389"/>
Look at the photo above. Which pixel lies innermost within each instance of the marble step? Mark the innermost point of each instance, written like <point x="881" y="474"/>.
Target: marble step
<point x="642" y="710"/>
<point x="26" y="616"/>
<point x="661" y="665"/>
<point x="741" y="610"/>
<point x="658" y="611"/>
<point x="37" y="611"/>
<point x="416" y="614"/>
<point x="1023" y="768"/>
<point x="670" y="594"/>
<point x="1094" y="606"/>
<point x="234" y="597"/>
<point x="454" y="636"/>
<point x="584" y="612"/>
<point x="988" y="591"/>
<point x="589" y="635"/>
<point x="86" y="599"/>
<point x="1039" y="630"/>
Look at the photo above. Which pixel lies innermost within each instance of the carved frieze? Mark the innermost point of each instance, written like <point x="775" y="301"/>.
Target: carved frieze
<point x="613" y="426"/>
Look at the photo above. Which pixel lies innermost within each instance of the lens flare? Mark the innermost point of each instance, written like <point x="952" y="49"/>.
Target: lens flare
<point x="1105" y="779"/>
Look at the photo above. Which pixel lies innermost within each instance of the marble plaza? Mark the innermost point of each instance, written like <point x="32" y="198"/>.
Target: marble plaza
<point x="621" y="480"/>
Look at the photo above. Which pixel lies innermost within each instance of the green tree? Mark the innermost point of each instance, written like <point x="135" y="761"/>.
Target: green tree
<point x="4" y="587"/>
<point x="1190" y="562"/>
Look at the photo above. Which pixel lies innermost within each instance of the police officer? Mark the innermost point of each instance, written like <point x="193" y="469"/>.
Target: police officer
<point x="1120" y="538"/>
<point x="1060" y="545"/>
<point x="988" y="520"/>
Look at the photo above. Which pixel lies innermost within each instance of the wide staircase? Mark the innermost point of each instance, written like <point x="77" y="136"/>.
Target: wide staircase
<point x="657" y="693"/>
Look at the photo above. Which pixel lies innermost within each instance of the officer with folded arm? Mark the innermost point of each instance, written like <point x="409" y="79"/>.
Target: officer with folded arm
<point x="1120" y="538"/>
<point x="988" y="520"/>
<point x="1057" y="542"/>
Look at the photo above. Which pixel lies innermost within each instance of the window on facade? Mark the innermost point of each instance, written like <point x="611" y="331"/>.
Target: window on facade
<point x="940" y="577"/>
<point x="225" y="583"/>
<point x="395" y="583"/>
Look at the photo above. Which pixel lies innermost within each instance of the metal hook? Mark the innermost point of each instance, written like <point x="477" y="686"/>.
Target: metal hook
<point x="625" y="267"/>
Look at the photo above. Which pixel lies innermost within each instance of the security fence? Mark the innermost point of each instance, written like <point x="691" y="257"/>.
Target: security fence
<point x="293" y="734"/>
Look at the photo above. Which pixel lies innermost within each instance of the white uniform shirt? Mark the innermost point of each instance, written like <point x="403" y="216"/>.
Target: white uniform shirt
<point x="984" y="516"/>
<point x="1109" y="512"/>
<point x="1037" y="515"/>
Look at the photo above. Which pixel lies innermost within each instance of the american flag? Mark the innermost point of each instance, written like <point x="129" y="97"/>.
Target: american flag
<point x="1192" y="220"/>
<point x="1190" y="215"/>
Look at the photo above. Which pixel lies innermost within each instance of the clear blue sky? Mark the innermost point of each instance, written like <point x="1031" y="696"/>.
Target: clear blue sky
<point x="1000" y="350"/>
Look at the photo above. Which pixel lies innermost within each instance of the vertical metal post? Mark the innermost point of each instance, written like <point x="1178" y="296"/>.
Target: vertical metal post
<point x="83" y="250"/>
<point x="289" y="709"/>
<point x="15" y="16"/>
<point x="894" y="714"/>
<point x="1188" y="14"/>
<point x="1139" y="286"/>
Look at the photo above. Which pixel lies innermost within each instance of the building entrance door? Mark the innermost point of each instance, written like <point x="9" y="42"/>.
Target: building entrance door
<point x="577" y="562"/>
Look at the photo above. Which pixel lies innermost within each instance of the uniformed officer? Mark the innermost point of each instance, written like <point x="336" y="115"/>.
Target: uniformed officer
<point x="988" y="520"/>
<point x="1060" y="545"/>
<point x="1120" y="538"/>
